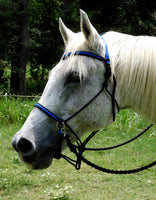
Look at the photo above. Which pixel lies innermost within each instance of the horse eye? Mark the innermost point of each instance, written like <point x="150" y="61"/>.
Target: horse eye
<point x="73" y="77"/>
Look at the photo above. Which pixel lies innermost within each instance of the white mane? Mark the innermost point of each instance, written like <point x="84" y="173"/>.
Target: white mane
<point x="133" y="62"/>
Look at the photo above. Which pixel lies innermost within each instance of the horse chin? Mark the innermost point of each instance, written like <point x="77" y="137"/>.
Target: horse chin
<point x="38" y="164"/>
<point x="35" y="162"/>
<point x="42" y="165"/>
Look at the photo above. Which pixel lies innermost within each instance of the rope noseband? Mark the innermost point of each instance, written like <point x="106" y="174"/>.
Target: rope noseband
<point x="80" y="147"/>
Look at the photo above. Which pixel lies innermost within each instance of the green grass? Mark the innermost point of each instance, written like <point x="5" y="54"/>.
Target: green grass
<point x="61" y="181"/>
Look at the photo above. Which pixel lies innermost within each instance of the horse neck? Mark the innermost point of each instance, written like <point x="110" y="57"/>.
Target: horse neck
<point x="133" y="63"/>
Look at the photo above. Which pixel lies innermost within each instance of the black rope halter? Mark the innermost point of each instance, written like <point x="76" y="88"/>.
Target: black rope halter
<point x="79" y="148"/>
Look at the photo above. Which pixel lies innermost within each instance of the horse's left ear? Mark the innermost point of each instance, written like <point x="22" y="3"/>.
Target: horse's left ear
<point x="89" y="31"/>
<point x="66" y="33"/>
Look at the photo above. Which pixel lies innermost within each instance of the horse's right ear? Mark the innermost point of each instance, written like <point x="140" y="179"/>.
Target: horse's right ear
<point x="90" y="33"/>
<point x="66" y="33"/>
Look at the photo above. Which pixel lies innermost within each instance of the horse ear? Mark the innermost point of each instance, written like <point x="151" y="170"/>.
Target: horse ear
<point x="66" y="33"/>
<point x="89" y="31"/>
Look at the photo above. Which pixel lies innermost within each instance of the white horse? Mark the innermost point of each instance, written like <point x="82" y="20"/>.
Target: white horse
<point x="76" y="79"/>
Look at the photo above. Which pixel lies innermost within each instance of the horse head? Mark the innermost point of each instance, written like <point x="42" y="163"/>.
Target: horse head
<point x="72" y="83"/>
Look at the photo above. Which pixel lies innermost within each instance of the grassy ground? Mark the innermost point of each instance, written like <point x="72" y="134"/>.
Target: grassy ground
<point x="61" y="181"/>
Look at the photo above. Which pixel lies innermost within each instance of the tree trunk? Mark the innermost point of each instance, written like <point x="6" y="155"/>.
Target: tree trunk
<point x="1" y="71"/>
<point x="19" y="61"/>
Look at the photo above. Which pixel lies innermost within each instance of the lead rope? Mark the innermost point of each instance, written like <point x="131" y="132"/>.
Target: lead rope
<point x="118" y="171"/>
<point x="78" y="151"/>
<point x="121" y="144"/>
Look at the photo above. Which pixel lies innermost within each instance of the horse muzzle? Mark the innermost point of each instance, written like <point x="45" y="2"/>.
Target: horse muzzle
<point x="31" y="155"/>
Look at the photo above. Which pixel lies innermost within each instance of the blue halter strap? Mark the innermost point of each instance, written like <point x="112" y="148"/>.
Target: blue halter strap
<point x="106" y="51"/>
<point x="47" y="112"/>
<point x="92" y="55"/>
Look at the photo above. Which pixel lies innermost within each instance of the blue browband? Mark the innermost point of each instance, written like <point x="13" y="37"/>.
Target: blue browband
<point x="92" y="55"/>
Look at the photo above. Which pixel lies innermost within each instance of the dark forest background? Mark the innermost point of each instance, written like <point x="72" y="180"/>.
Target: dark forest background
<point x="30" y="42"/>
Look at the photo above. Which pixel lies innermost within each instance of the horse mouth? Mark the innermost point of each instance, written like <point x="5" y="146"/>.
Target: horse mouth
<point x="41" y="160"/>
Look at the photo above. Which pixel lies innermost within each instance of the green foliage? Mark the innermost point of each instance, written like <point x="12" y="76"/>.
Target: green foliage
<point x="43" y="32"/>
<point x="4" y="77"/>
<point x="14" y="110"/>
<point x="135" y="17"/>
<point x="45" y="44"/>
<point x="130" y="16"/>
<point x="35" y="86"/>
<point x="9" y="29"/>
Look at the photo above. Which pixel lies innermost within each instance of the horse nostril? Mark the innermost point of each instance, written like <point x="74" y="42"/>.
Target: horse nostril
<point x="14" y="145"/>
<point x="25" y="147"/>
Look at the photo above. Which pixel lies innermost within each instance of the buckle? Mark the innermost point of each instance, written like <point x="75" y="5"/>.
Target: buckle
<point x="61" y="128"/>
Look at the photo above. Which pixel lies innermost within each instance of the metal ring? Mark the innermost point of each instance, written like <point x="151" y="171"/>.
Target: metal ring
<point x="60" y="125"/>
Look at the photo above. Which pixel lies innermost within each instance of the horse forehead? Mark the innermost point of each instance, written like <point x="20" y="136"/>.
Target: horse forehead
<point x="78" y="42"/>
<point x="78" y="63"/>
<point x="57" y="73"/>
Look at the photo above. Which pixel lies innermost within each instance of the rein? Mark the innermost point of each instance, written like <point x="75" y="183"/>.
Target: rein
<point x="80" y="147"/>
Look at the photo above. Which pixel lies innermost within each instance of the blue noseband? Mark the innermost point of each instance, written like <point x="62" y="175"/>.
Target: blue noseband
<point x="48" y="112"/>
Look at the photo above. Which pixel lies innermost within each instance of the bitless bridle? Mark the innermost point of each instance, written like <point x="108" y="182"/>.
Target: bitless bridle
<point x="80" y="147"/>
